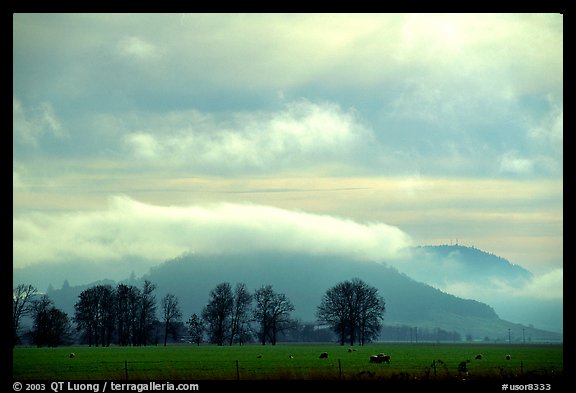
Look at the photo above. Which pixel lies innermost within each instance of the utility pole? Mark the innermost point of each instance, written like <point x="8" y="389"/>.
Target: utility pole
<point x="509" y="340"/>
<point x="523" y="336"/>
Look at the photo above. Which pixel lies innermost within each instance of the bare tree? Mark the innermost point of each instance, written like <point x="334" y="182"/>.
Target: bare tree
<point x="95" y="314"/>
<point x="354" y="310"/>
<point x="196" y="329"/>
<point x="147" y="313"/>
<point x="22" y="297"/>
<point x="217" y="313"/>
<point x="51" y="326"/>
<point x="370" y="312"/>
<point x="240" y="313"/>
<point x="127" y="304"/>
<point x="171" y="313"/>
<point x="272" y="313"/>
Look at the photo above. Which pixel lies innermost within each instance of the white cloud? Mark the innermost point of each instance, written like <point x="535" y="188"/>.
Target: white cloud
<point x="512" y="163"/>
<point x="550" y="130"/>
<point x="137" y="48"/>
<point x="547" y="286"/>
<point x="301" y="134"/>
<point x="30" y="124"/>
<point x="128" y="228"/>
<point x="518" y="52"/>
<point x="143" y="145"/>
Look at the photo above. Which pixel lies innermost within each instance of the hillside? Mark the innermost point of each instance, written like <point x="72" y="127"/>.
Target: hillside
<point x="515" y="293"/>
<point x="443" y="264"/>
<point x="304" y="279"/>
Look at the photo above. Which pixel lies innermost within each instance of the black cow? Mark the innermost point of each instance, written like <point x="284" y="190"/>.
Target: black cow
<point x="380" y="358"/>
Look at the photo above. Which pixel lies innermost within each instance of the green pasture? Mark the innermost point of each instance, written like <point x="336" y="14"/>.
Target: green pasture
<point x="287" y="361"/>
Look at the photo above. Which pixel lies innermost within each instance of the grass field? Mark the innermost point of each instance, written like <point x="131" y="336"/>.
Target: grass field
<point x="255" y="362"/>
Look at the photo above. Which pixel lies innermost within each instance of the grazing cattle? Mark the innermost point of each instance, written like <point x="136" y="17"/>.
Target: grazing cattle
<point x="259" y="356"/>
<point x="478" y="357"/>
<point x="290" y="357"/>
<point x="72" y="355"/>
<point x="508" y="357"/>
<point x="463" y="366"/>
<point x="380" y="358"/>
<point x="324" y="355"/>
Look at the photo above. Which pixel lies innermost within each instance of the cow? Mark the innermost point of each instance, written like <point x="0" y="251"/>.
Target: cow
<point x="380" y="358"/>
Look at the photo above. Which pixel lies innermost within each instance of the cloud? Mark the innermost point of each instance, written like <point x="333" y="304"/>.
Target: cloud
<point x="266" y="51"/>
<point x="511" y="163"/>
<point x="144" y="145"/>
<point x="301" y="134"/>
<point x="128" y="229"/>
<point x="31" y="124"/>
<point x="547" y="286"/>
<point x="550" y="129"/>
<point x="538" y="302"/>
<point x="393" y="68"/>
<point x="138" y="49"/>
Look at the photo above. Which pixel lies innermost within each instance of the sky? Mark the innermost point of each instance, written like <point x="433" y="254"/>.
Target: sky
<point x="139" y="137"/>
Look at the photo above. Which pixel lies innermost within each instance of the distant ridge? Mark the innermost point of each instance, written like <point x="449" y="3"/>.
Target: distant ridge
<point x="457" y="263"/>
<point x="305" y="278"/>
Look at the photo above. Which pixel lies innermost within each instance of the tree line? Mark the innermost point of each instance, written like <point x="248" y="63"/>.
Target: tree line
<point x="127" y="315"/>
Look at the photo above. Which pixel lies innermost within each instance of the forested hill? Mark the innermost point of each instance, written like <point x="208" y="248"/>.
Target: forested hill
<point x="456" y="263"/>
<point x="305" y="279"/>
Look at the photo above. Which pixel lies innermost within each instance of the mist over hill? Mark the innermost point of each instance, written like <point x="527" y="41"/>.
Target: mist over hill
<point x="514" y="292"/>
<point x="305" y="278"/>
<point x="444" y="264"/>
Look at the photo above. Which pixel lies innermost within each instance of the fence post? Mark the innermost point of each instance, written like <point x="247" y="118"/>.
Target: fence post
<point x="237" y="371"/>
<point x="126" y="369"/>
<point x="434" y="367"/>
<point x="339" y="369"/>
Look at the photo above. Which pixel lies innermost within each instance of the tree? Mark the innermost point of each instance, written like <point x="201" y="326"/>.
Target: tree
<point x="240" y="313"/>
<point x="95" y="314"/>
<point x="354" y="311"/>
<point x="127" y="306"/>
<point x="217" y="313"/>
<point x="124" y="312"/>
<point x="85" y="315"/>
<point x="171" y="313"/>
<point x="51" y="326"/>
<point x="196" y="329"/>
<point x="22" y="297"/>
<point x="272" y="313"/>
<point x="147" y="313"/>
<point x="370" y="312"/>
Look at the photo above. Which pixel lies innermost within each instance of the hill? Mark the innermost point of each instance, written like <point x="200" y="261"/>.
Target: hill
<point x="445" y="264"/>
<point x="514" y="292"/>
<point x="305" y="278"/>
